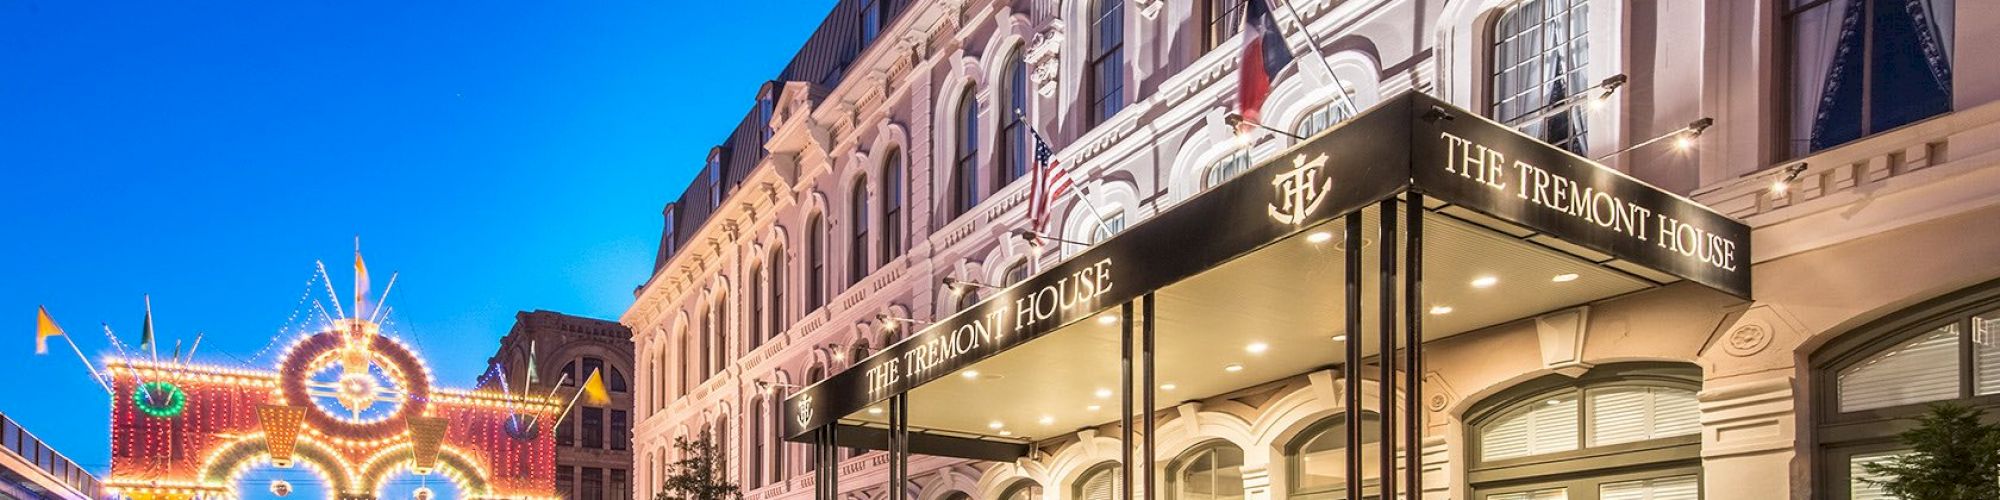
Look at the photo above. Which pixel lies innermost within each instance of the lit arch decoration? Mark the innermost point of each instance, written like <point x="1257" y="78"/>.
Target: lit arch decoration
<point x="230" y="461"/>
<point x="454" y="464"/>
<point x="359" y="392"/>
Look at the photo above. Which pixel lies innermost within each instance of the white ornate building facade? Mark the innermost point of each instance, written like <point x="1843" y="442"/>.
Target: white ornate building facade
<point x="888" y="158"/>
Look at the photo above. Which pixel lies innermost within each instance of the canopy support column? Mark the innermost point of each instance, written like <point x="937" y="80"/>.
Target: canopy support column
<point x="1146" y="347"/>
<point x="1413" y="353"/>
<point x="1385" y="296"/>
<point x="1125" y="400"/>
<point x="899" y="446"/>
<point x="1351" y="364"/>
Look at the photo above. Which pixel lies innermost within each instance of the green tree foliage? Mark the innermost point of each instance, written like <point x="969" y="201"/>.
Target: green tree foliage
<point x="1954" y="456"/>
<point x="701" y="473"/>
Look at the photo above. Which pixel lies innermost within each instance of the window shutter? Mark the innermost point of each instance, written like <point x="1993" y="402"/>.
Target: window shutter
<point x="1548" y="494"/>
<point x="1102" y="485"/>
<point x="1666" y="488"/>
<point x="1857" y="474"/>
<point x="1627" y="414"/>
<point x="1542" y="427"/>
<point x="1986" y="353"/>
<point x="1919" y="370"/>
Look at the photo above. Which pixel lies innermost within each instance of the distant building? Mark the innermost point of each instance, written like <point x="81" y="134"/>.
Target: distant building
<point x="29" y="468"/>
<point x="593" y="461"/>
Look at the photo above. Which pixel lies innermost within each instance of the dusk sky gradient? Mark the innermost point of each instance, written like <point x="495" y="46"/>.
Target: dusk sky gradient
<point x="501" y="155"/>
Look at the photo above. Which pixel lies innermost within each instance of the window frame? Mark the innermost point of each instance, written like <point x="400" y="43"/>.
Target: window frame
<point x="1839" y="436"/>
<point x="1579" y="141"/>
<point x="1788" y="84"/>
<point x="1107" y="97"/>
<point x="858" y="245"/>
<point x="1015" y="152"/>
<point x="816" y="261"/>
<point x="775" y="265"/>
<point x="1594" y="461"/>
<point x="1294" y="464"/>
<point x="1220" y="25"/>
<point x="1107" y="467"/>
<point x="1176" y="468"/>
<point x="965" y="162"/>
<point x="893" y="191"/>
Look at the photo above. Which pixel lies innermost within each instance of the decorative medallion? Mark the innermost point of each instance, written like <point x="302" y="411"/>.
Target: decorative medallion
<point x="160" y="399"/>
<point x="1747" y="340"/>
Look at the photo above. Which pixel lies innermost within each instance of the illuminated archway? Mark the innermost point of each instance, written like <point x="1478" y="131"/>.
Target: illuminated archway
<point x="230" y="461"/>
<point x="452" y="463"/>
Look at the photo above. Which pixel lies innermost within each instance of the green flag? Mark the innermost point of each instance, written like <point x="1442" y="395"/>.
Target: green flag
<point x="532" y="377"/>
<point x="146" y="334"/>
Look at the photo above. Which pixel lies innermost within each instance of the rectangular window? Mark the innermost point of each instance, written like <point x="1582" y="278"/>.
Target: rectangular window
<point x="1225" y="20"/>
<point x="617" y="486"/>
<point x="1860" y="67"/>
<point x="620" y="427"/>
<point x="871" y="20"/>
<point x="593" y="484"/>
<point x="1666" y="488"/>
<point x="565" y="481"/>
<point x="565" y="434"/>
<point x="1540" y="57"/>
<point x="593" y="428"/>
<point x="1859" y="486"/>
<point x="1107" y="61"/>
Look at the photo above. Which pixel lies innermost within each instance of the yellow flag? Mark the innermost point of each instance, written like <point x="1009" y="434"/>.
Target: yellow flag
<point x="593" y="389"/>
<point x="45" y="327"/>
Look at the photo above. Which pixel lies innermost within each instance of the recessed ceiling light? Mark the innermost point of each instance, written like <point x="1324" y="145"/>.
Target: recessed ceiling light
<point x="1257" y="347"/>
<point x="1006" y="433"/>
<point x="1564" y="278"/>
<point x="1484" y="281"/>
<point x="875" y="411"/>
<point x="996" y="425"/>
<point x="1340" y="338"/>
<point x="1107" y="319"/>
<point x="1047" y="420"/>
<point x="1168" y="387"/>
<point x="1103" y="393"/>
<point x="1319" y="237"/>
<point x="1093" y="407"/>
<point x="969" y="374"/>
<point x="1232" y="367"/>
<point x="1440" y="309"/>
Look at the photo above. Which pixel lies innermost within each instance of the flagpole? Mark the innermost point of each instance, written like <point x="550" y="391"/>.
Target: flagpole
<point x="1346" y="97"/>
<point x="559" y="383"/>
<point x="197" y="345"/>
<point x="94" y="375"/>
<point x="572" y="402"/>
<point x="383" y="301"/>
<point x="152" y="344"/>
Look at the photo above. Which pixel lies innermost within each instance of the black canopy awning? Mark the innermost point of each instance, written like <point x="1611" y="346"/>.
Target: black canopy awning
<point x="1408" y="145"/>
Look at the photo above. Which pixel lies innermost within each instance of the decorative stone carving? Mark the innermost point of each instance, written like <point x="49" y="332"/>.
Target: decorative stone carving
<point x="1045" y="56"/>
<point x="1747" y="340"/>
<point x="1149" y="8"/>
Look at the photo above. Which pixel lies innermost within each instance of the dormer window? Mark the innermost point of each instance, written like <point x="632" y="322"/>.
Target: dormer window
<point x="766" y="106"/>
<point x="716" y="177"/>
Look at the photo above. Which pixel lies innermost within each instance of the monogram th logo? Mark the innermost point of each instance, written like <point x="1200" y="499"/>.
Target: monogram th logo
<point x="805" y="410"/>
<point x="1300" y="190"/>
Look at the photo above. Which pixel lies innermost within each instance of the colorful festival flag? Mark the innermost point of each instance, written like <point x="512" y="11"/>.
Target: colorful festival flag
<point x="45" y="327"/>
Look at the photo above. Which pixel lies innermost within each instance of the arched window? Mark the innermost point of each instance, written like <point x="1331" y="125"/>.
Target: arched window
<point x="754" y="297"/>
<point x="816" y="260"/>
<point x="755" y="459"/>
<point x="1317" y="459"/>
<point x="660" y="375"/>
<point x="780" y="470"/>
<point x="1629" y="430"/>
<point x="721" y="334"/>
<point x="1100" y="483"/>
<point x="1015" y="152"/>
<point x="1024" y="489"/>
<point x="1869" y="384"/>
<point x="965" y="169"/>
<point x="719" y="436"/>
<point x="614" y="380"/>
<point x="1226" y="168"/>
<point x="857" y="247"/>
<point x="1322" y="118"/>
<point x="1107" y="60"/>
<point x="892" y="206"/>
<point x="1540" y="57"/>
<point x="1015" y="273"/>
<point x="1212" y="471"/>
<point x="688" y="357"/>
<point x="569" y="374"/>
<point x="779" y="269"/>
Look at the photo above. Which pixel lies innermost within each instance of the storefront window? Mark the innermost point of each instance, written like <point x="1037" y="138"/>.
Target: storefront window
<point x="1873" y="381"/>
<point x="1023" y="490"/>
<point x="1317" y="459"/>
<point x="1101" y="483"/>
<point x="1210" y="472"/>
<point x="1592" y="429"/>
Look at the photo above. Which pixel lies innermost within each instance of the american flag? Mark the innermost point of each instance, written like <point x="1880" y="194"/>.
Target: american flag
<point x="1051" y="182"/>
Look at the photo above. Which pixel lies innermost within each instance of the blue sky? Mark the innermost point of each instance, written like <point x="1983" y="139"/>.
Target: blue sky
<point x="501" y="155"/>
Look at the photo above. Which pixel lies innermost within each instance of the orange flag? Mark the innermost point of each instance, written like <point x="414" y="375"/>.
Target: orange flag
<point x="45" y="327"/>
<point x="593" y="390"/>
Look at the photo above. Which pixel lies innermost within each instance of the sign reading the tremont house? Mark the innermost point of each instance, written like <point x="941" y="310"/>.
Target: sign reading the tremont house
<point x="1403" y="144"/>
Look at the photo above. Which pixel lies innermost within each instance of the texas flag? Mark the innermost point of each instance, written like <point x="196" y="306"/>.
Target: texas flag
<point x="1264" y="55"/>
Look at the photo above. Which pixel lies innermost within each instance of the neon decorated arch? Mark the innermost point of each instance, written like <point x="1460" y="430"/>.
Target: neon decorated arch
<point x="345" y="400"/>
